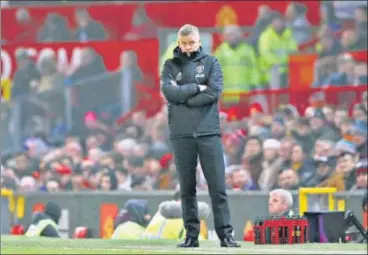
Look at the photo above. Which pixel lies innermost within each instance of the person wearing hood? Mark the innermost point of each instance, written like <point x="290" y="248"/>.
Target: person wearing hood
<point x="192" y="83"/>
<point x="167" y="223"/>
<point x="132" y="220"/>
<point x="45" y="223"/>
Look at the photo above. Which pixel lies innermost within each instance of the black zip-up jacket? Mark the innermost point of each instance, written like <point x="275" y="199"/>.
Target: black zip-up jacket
<point x="192" y="113"/>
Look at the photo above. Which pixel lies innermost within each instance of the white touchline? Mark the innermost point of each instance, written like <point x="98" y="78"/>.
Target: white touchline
<point x="252" y="250"/>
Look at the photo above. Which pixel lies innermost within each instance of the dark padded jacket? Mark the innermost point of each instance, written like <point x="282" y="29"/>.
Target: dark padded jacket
<point x="192" y="113"/>
<point x="52" y="212"/>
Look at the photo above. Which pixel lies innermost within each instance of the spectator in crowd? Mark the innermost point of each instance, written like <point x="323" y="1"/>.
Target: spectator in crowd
<point x="328" y="16"/>
<point x="322" y="176"/>
<point x="361" y="21"/>
<point x="88" y="29"/>
<point x="340" y="115"/>
<point x="360" y="74"/>
<point x="105" y="182"/>
<point x="359" y="137"/>
<point x="275" y="44"/>
<point x="328" y="44"/>
<point x="361" y="176"/>
<point x="26" y="77"/>
<point x="296" y="20"/>
<point x="344" y="176"/>
<point x="288" y="180"/>
<point x="51" y="78"/>
<point x="262" y="22"/>
<point x="232" y="144"/>
<point x="301" y="163"/>
<point x="359" y="114"/>
<point x="27" y="27"/>
<point x="239" y="63"/>
<point x="345" y="10"/>
<point x="241" y="180"/>
<point x="55" y="29"/>
<point x="278" y="129"/>
<point x="142" y="26"/>
<point x="351" y="40"/>
<point x="280" y="203"/>
<point x="52" y="186"/>
<point x="27" y="184"/>
<point x="252" y="157"/>
<point x="320" y="129"/>
<point x="345" y="74"/>
<point x="302" y="133"/>
<point x="271" y="164"/>
<point x="344" y="146"/>
<point x="285" y="151"/>
<point x="324" y="67"/>
<point x="91" y="65"/>
<point x="131" y="76"/>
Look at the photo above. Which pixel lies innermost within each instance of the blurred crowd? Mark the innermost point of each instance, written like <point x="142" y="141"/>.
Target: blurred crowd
<point x="326" y="146"/>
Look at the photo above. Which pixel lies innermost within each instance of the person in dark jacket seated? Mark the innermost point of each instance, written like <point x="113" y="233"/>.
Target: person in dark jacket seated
<point x="324" y="170"/>
<point x="345" y="75"/>
<point x="132" y="221"/>
<point x="280" y="203"/>
<point x="45" y="223"/>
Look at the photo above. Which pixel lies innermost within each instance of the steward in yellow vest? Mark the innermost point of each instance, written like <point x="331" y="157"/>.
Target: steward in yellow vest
<point x="275" y="45"/>
<point x="45" y="223"/>
<point x="168" y="223"/>
<point x="132" y="221"/>
<point x="239" y="63"/>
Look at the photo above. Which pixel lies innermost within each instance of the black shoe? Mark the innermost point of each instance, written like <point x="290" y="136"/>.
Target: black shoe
<point x="229" y="242"/>
<point x="189" y="243"/>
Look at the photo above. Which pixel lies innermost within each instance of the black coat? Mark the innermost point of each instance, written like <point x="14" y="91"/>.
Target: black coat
<point x="192" y="113"/>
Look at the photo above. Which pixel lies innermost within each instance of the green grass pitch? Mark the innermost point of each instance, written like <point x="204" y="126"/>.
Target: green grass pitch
<point x="23" y="245"/>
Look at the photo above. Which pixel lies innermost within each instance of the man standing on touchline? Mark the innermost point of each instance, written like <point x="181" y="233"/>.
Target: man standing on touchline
<point x="192" y="83"/>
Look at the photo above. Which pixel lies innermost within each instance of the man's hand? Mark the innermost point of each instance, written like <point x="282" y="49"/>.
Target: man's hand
<point x="202" y="87"/>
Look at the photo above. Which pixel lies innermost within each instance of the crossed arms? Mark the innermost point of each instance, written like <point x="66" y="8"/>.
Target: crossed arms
<point x="192" y="94"/>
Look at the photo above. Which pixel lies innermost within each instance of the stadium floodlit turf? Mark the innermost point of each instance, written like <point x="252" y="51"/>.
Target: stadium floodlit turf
<point x="23" y="245"/>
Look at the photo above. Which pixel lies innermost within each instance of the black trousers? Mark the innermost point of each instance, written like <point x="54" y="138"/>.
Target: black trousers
<point x="210" y="152"/>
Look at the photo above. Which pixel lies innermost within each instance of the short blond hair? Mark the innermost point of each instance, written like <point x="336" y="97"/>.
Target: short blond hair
<point x="188" y="29"/>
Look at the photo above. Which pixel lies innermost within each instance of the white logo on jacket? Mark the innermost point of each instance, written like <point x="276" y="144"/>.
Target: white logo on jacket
<point x="199" y="71"/>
